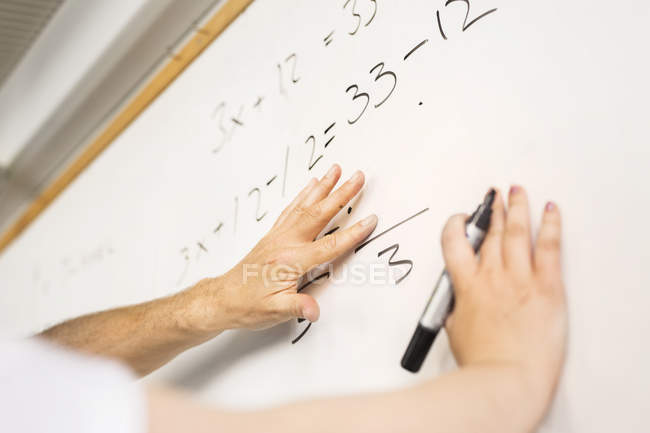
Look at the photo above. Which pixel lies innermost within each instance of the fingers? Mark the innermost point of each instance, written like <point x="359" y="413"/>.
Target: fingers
<point x="336" y="201"/>
<point x="547" y="256"/>
<point x="459" y="256"/>
<point x="492" y="245"/>
<point x="310" y="218"/>
<point x="324" y="186"/>
<point x="517" y="243"/>
<point x="331" y="246"/>
<point x="296" y="201"/>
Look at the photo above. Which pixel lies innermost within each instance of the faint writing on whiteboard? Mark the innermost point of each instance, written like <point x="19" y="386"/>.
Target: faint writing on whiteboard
<point x="54" y="275"/>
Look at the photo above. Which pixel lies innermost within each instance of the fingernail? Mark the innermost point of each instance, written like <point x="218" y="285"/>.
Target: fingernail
<point x="369" y="221"/>
<point x="515" y="189"/>
<point x="331" y="171"/>
<point x="549" y="206"/>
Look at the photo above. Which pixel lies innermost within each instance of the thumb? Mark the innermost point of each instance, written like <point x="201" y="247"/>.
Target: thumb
<point x="301" y="306"/>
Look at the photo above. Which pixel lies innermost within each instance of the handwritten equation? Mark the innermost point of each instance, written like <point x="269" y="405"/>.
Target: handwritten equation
<point x="356" y="15"/>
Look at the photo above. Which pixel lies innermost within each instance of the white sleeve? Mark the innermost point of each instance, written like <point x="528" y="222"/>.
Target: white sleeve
<point x="44" y="388"/>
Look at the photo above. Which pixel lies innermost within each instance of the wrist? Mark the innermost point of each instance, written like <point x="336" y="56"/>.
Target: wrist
<point x="521" y="385"/>
<point x="532" y="375"/>
<point x="201" y="313"/>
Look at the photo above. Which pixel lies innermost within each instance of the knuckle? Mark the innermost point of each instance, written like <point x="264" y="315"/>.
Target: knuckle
<point x="517" y="229"/>
<point x="308" y="211"/>
<point x="316" y="210"/>
<point x="330" y="242"/>
<point x="299" y="210"/>
<point x="549" y="244"/>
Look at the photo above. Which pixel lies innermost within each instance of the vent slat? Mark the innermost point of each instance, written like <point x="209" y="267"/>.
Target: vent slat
<point x="21" y="21"/>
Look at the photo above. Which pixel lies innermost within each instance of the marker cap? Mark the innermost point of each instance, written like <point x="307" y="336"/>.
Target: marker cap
<point x="418" y="348"/>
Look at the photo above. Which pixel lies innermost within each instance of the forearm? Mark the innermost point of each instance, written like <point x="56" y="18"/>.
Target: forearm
<point x="143" y="336"/>
<point x="479" y="398"/>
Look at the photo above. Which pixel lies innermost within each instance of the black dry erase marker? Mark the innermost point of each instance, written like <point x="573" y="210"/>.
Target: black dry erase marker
<point x="442" y="299"/>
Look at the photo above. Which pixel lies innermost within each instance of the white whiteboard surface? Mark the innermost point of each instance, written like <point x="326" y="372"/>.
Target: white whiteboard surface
<point x="550" y="95"/>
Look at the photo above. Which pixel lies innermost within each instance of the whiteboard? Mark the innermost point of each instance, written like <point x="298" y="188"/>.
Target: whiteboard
<point x="550" y="96"/>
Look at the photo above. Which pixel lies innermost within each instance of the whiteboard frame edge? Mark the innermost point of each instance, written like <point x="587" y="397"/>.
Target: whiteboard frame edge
<point x="202" y="38"/>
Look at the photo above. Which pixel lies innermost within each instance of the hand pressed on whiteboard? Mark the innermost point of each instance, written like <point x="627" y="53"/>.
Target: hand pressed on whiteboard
<point x="261" y="291"/>
<point x="510" y="305"/>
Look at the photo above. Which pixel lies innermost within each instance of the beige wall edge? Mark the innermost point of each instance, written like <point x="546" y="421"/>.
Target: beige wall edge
<point x="150" y="91"/>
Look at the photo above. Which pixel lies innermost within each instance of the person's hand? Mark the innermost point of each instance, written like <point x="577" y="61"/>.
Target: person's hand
<point x="510" y="305"/>
<point x="262" y="290"/>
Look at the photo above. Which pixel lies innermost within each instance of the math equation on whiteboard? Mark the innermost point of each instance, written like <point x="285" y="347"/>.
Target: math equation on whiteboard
<point x="228" y="117"/>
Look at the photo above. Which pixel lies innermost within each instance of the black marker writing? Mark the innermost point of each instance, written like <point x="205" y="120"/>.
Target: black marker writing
<point x="392" y="262"/>
<point x="381" y="74"/>
<point x="415" y="48"/>
<point x="311" y="162"/>
<point x="355" y="97"/>
<point x="302" y="334"/>
<point x="286" y="165"/>
<point x="357" y="17"/>
<point x="357" y="249"/>
<point x="258" y="217"/>
<point x="466" y="25"/>
<point x="328" y="38"/>
<point x="291" y="60"/>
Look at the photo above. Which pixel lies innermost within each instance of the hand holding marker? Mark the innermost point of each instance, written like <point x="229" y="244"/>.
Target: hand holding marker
<point x="442" y="300"/>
